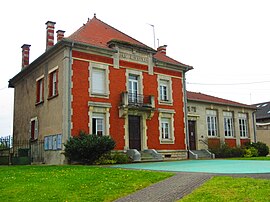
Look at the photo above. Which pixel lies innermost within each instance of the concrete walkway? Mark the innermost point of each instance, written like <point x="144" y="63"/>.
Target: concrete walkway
<point x="177" y="186"/>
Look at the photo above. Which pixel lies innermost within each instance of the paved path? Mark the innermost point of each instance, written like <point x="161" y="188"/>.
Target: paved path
<point x="177" y="186"/>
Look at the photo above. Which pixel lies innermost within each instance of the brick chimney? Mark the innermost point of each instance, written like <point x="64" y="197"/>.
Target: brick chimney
<point x="50" y="34"/>
<point x="60" y="35"/>
<point x="162" y="49"/>
<point x="25" y="55"/>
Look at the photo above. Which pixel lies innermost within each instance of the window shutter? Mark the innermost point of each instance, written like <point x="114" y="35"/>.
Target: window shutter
<point x="98" y="81"/>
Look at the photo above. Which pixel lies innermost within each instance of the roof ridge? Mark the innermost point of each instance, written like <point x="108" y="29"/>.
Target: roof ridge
<point x="231" y="101"/>
<point x="120" y="32"/>
<point x="74" y="34"/>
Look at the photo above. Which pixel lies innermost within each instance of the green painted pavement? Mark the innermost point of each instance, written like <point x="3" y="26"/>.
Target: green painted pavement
<point x="205" y="166"/>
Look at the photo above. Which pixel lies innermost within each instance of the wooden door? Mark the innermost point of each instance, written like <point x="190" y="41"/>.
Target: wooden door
<point x="192" y="135"/>
<point x="134" y="130"/>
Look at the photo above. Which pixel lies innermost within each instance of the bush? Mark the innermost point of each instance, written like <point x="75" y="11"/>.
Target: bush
<point x="113" y="158"/>
<point x="251" y="152"/>
<point x="263" y="149"/>
<point x="226" y="152"/>
<point x="87" y="149"/>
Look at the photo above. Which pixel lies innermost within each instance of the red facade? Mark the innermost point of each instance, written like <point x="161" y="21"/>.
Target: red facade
<point x="117" y="77"/>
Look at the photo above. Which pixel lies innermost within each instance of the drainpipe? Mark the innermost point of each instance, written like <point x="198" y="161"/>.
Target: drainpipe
<point x="185" y="109"/>
<point x="254" y="125"/>
<point x="69" y="89"/>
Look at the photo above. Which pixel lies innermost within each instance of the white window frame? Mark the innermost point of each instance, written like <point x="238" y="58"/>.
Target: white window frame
<point x="166" y="118"/>
<point x="54" y="80"/>
<point x="139" y="75"/>
<point x="165" y="81"/>
<point x="211" y="120"/>
<point x="131" y="84"/>
<point x="228" y="125"/>
<point x="103" y="67"/>
<point x="243" y="125"/>
<point x="99" y="119"/>
<point x="99" y="109"/>
<point x="54" y="83"/>
<point x="40" y="89"/>
<point x="165" y="128"/>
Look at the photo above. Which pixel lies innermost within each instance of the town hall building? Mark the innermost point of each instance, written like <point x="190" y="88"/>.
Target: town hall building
<point x="101" y="81"/>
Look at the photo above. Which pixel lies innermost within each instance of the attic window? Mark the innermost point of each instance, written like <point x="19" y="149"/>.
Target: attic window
<point x="258" y="105"/>
<point x="264" y="105"/>
<point x="268" y="112"/>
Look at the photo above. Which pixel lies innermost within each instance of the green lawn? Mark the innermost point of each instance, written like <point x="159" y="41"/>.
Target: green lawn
<point x="231" y="189"/>
<point x="264" y="158"/>
<point x="72" y="183"/>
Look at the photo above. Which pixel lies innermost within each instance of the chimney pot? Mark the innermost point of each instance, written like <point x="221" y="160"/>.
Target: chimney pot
<point x="60" y="35"/>
<point x="162" y="49"/>
<point x="50" y="34"/>
<point x="25" y="55"/>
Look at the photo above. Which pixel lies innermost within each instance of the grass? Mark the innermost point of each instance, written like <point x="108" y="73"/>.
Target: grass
<point x="262" y="158"/>
<point x="72" y="183"/>
<point x="231" y="189"/>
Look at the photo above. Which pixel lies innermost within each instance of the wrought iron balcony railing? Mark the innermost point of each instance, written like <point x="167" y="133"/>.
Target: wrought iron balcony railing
<point x="139" y="100"/>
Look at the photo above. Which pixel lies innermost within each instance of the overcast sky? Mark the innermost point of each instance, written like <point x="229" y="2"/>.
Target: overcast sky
<point x="226" y="41"/>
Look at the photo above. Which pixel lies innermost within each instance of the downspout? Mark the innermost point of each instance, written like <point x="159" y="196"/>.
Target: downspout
<point x="185" y="110"/>
<point x="69" y="90"/>
<point x="254" y="125"/>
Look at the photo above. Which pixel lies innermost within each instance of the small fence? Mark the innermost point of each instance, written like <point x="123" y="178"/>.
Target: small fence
<point x="21" y="152"/>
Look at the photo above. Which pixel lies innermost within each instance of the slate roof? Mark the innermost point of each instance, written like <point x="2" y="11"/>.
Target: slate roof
<point x="194" y="96"/>
<point x="97" y="33"/>
<point x="263" y="110"/>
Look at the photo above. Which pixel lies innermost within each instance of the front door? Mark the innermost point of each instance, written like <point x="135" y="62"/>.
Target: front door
<point x="192" y="135"/>
<point x="134" y="130"/>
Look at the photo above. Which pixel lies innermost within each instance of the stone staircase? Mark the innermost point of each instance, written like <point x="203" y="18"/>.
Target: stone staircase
<point x="144" y="156"/>
<point x="201" y="154"/>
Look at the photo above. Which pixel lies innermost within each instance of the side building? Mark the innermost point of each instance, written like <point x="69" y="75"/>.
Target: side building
<point x="263" y="122"/>
<point x="213" y="121"/>
<point x="101" y="81"/>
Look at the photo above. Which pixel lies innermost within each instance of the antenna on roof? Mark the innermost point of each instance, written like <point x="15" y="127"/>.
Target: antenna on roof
<point x="157" y="42"/>
<point x="153" y="34"/>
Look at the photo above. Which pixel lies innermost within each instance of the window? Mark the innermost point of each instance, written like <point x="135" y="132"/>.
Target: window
<point x="34" y="128"/>
<point x="99" y="80"/>
<point x="165" y="128"/>
<point x="40" y="91"/>
<point x="53" y="83"/>
<point x="211" y="116"/>
<point x="228" y="124"/>
<point x="243" y="125"/>
<point x="164" y="90"/>
<point x="164" y="87"/>
<point x="98" y="124"/>
<point x="133" y="88"/>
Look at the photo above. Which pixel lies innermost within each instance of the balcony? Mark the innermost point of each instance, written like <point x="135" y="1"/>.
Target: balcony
<point x="137" y="102"/>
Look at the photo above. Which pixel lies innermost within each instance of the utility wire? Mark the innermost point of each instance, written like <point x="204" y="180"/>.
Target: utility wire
<point x="3" y="88"/>
<point x="228" y="84"/>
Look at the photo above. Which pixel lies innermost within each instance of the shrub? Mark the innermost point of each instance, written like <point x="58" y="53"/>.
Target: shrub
<point x="113" y="158"/>
<point x="251" y="152"/>
<point x="87" y="149"/>
<point x="225" y="151"/>
<point x="263" y="149"/>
